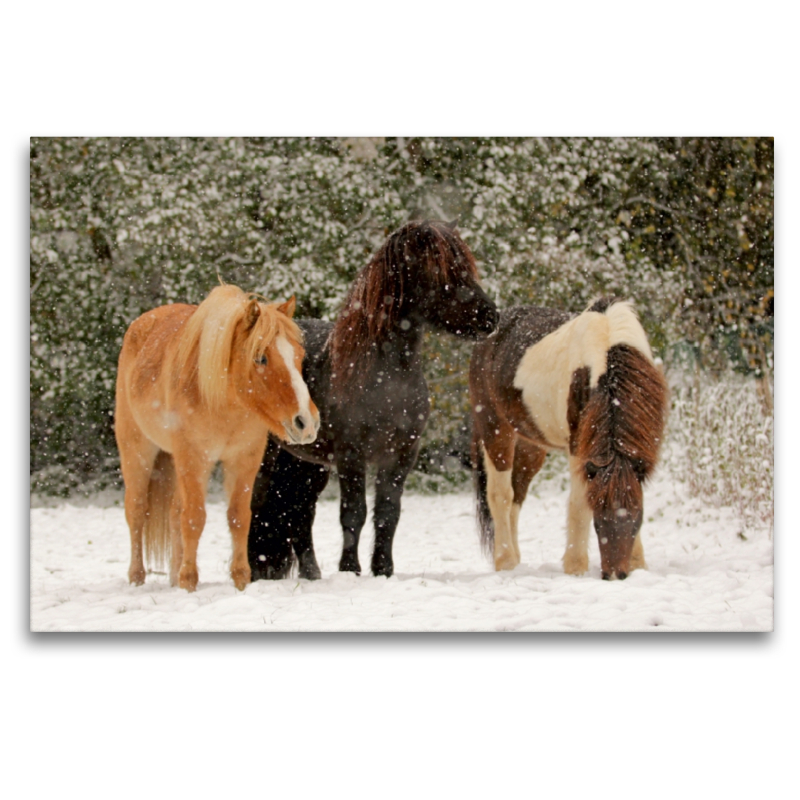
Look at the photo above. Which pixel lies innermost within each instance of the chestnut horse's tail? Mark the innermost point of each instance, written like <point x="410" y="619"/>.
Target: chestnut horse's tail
<point x="483" y="514"/>
<point x="159" y="498"/>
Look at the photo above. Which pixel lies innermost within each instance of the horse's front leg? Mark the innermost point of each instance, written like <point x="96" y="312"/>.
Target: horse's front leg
<point x="240" y="475"/>
<point x="311" y="480"/>
<point x="192" y="475"/>
<point x="579" y="522"/>
<point x="353" y="509"/>
<point x="637" y="554"/>
<point x="389" y="485"/>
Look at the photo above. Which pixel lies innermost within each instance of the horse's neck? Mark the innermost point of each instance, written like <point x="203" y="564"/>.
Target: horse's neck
<point x="400" y="349"/>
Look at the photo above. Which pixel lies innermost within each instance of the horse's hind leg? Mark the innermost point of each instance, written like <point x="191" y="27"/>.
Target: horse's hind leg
<point x="269" y="549"/>
<point x="137" y="457"/>
<point x="579" y="522"/>
<point x="284" y="519"/>
<point x="311" y="479"/>
<point x="176" y="542"/>
<point x="499" y="461"/>
<point x="528" y="460"/>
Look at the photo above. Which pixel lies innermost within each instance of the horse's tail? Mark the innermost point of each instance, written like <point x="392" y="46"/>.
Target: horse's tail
<point x="159" y="498"/>
<point x="483" y="514"/>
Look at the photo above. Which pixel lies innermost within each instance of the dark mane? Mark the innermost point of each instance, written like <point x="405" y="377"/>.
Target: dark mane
<point x="602" y="304"/>
<point x="422" y="251"/>
<point x="622" y="425"/>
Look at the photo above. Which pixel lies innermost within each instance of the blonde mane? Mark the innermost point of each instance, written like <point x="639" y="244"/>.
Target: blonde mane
<point x="624" y="327"/>
<point x="204" y="349"/>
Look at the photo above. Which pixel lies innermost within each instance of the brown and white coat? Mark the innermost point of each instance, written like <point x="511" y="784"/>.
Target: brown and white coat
<point x="583" y="384"/>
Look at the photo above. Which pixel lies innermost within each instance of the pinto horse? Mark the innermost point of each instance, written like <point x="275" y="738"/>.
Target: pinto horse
<point x="197" y="385"/>
<point x="585" y="384"/>
<point x="365" y="374"/>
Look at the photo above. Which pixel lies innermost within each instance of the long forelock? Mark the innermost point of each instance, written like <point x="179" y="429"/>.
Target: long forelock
<point x="449" y="260"/>
<point x="616" y="485"/>
<point x="270" y="325"/>
<point x="204" y="350"/>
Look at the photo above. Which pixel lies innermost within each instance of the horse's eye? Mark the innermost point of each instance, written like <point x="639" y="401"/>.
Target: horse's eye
<point x="639" y="470"/>
<point x="261" y="360"/>
<point x="591" y="470"/>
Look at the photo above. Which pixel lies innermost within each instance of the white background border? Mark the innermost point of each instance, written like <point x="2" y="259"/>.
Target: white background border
<point x="685" y="715"/>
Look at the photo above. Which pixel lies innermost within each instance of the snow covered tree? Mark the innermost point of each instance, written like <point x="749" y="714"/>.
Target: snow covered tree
<point x="708" y="216"/>
<point x="683" y="228"/>
<point x="119" y="226"/>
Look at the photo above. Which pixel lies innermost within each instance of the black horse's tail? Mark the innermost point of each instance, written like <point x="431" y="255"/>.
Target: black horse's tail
<point x="483" y="514"/>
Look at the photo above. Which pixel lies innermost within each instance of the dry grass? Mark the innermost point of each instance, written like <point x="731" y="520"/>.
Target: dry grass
<point x="721" y="443"/>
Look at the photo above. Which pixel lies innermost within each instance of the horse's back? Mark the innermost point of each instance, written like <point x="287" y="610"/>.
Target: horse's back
<point x="519" y="329"/>
<point x="527" y="369"/>
<point x="155" y="329"/>
<point x="148" y="341"/>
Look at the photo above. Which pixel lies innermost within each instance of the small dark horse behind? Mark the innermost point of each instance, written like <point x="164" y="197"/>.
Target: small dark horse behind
<point x="587" y="385"/>
<point x="364" y="373"/>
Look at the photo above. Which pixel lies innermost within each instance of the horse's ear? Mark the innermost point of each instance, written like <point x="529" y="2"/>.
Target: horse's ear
<point x="252" y="314"/>
<point x="288" y="307"/>
<point x="452" y="225"/>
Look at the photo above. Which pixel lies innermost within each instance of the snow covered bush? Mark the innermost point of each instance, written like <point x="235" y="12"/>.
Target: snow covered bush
<point x="119" y="226"/>
<point x="681" y="227"/>
<point x="721" y="443"/>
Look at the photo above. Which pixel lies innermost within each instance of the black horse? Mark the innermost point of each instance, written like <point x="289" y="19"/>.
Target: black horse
<point x="365" y="375"/>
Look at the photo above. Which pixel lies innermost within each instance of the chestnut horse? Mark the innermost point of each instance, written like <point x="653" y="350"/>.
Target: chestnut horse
<point x="585" y="384"/>
<point x="197" y="385"/>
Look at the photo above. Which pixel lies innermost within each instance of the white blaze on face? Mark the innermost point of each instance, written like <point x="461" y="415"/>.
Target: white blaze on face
<point x="298" y="384"/>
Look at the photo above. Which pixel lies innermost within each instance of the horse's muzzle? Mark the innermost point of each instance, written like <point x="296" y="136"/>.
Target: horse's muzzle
<point x="488" y="324"/>
<point x="303" y="429"/>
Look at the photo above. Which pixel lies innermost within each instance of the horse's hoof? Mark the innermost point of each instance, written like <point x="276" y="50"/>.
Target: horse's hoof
<point x="349" y="564"/>
<point x="383" y="567"/>
<point x="241" y="577"/>
<point x="505" y="562"/>
<point x="576" y="565"/>
<point x="269" y="572"/>
<point x="309" y="569"/>
<point x="187" y="579"/>
<point x="136" y="576"/>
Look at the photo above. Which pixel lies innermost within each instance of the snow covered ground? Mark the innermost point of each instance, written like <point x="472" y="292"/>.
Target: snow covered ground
<point x="703" y="576"/>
